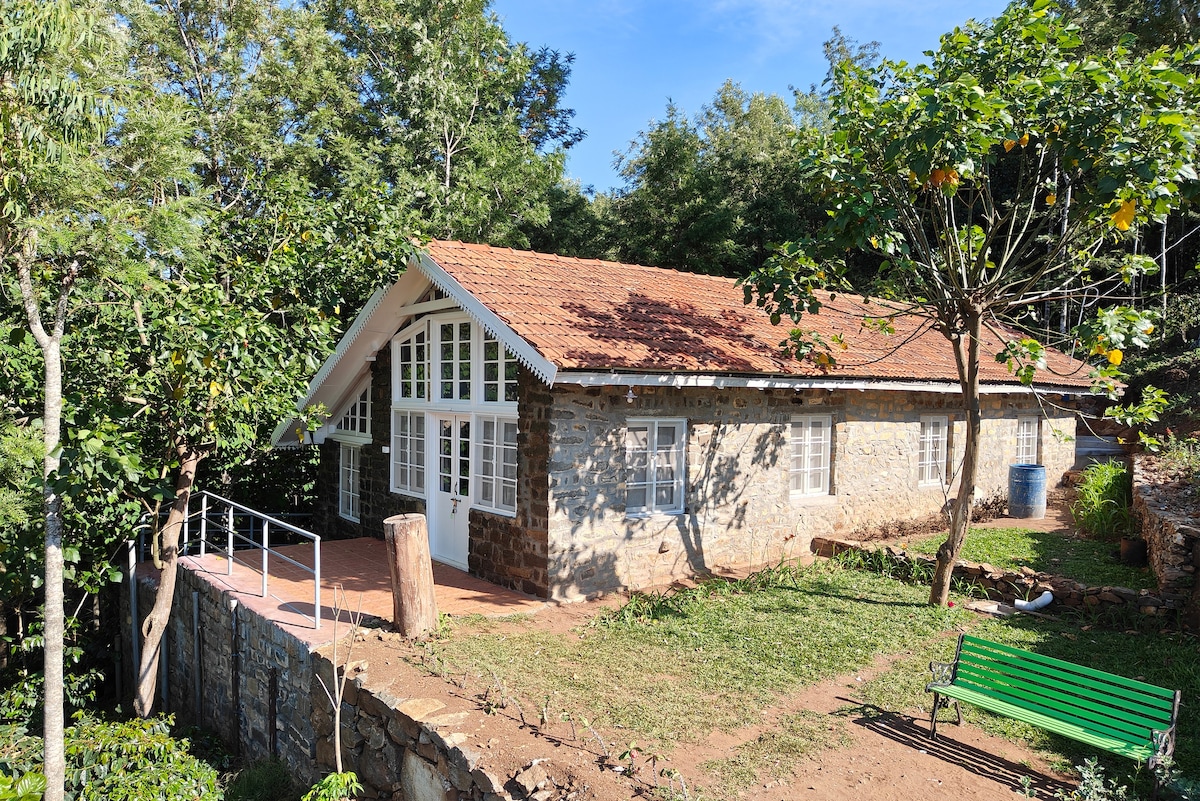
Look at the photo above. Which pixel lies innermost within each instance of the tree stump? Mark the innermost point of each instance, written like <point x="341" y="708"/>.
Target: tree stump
<point x="413" y="601"/>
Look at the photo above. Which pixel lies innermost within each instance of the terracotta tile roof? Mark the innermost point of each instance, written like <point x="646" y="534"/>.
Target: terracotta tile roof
<point x="586" y="314"/>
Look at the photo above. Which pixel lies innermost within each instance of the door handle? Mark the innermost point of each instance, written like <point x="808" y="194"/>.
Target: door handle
<point x="454" y="508"/>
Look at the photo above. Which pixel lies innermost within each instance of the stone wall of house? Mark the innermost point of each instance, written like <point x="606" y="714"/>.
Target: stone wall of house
<point x="739" y="510"/>
<point x="233" y="672"/>
<point x="511" y="551"/>
<point x="1172" y="540"/>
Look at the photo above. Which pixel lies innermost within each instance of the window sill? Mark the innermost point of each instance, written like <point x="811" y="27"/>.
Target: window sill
<point x="654" y="515"/>
<point x="408" y="494"/>
<point x="349" y="519"/>
<point x="822" y="499"/>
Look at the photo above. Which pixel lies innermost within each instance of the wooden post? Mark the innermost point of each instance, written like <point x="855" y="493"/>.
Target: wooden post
<point x="413" y="601"/>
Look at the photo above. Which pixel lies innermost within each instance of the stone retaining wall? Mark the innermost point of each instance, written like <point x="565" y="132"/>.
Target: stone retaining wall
<point x="251" y="678"/>
<point x="404" y="748"/>
<point x="1008" y="586"/>
<point x="255" y="685"/>
<point x="1172" y="540"/>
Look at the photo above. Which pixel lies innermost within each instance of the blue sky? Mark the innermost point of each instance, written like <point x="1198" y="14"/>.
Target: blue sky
<point x="634" y="55"/>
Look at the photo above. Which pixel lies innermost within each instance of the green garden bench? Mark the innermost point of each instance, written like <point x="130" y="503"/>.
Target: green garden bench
<point x="1113" y="713"/>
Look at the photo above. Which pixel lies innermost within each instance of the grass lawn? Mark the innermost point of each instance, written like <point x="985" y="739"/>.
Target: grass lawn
<point x="666" y="671"/>
<point x="1089" y="561"/>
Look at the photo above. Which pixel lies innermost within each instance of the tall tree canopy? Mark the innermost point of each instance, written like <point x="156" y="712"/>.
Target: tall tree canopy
<point x="988" y="181"/>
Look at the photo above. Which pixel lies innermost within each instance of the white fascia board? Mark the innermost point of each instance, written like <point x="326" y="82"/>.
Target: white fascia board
<point x="371" y="330"/>
<point x="528" y="355"/>
<point x="592" y="379"/>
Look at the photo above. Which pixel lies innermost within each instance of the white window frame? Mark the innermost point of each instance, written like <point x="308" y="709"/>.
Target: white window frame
<point x="676" y="457"/>
<point x="350" y="482"/>
<point x="505" y="363"/>
<point x="408" y="337"/>
<point x="495" y="465"/>
<point x="409" y="452"/>
<point x="802" y="442"/>
<point x="437" y="364"/>
<point x="1029" y="439"/>
<point x="933" y="450"/>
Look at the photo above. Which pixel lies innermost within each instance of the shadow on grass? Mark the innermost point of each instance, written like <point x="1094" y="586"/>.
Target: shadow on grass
<point x="909" y="732"/>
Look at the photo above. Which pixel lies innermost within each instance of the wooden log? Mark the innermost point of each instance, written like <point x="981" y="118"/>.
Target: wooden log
<point x="413" y="601"/>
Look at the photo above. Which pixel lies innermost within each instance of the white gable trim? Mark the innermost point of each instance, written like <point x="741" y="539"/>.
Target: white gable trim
<point x="351" y="361"/>
<point x="528" y="355"/>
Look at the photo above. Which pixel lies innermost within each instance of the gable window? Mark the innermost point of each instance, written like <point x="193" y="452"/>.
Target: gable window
<point x="348" y="482"/>
<point x="654" y="466"/>
<point x="810" y="457"/>
<point x="454" y="341"/>
<point x="408" y="452"/>
<point x="499" y="372"/>
<point x="496" y="463"/>
<point x="931" y="459"/>
<point x="357" y="419"/>
<point x="412" y="360"/>
<point x="1028" y="435"/>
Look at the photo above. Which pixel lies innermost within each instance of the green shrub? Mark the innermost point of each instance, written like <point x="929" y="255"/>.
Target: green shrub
<point x="1101" y="506"/>
<point x="263" y="781"/>
<point x="134" y="760"/>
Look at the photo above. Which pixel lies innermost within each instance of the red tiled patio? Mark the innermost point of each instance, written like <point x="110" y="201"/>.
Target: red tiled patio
<point x="360" y="567"/>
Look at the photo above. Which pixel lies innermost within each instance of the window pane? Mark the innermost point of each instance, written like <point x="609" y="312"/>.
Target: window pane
<point x="635" y="498"/>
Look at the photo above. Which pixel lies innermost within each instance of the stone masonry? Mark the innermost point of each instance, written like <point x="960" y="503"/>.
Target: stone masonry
<point x="739" y="511"/>
<point x="570" y="537"/>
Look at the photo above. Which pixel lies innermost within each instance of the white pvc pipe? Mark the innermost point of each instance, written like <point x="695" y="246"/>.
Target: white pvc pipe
<point x="1037" y="603"/>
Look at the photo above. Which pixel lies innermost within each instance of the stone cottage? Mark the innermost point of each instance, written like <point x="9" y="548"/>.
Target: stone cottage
<point x="572" y="426"/>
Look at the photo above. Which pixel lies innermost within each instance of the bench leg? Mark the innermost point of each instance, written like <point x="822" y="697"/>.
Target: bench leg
<point x="938" y="703"/>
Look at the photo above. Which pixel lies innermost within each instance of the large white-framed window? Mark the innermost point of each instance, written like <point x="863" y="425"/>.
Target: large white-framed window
<point x="811" y="441"/>
<point x="408" y="452"/>
<point x="1029" y="429"/>
<point x="932" y="453"/>
<point x="357" y="417"/>
<point x="454" y="340"/>
<point x="496" y="463"/>
<point x="655" y="470"/>
<point x="349" y="470"/>
<point x="499" y="372"/>
<point x="411" y="352"/>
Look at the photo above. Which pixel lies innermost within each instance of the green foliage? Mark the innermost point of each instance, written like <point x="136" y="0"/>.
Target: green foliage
<point x="1093" y="786"/>
<point x="133" y="761"/>
<point x="268" y="780"/>
<point x="29" y="787"/>
<point x="335" y="787"/>
<point x="1103" y="498"/>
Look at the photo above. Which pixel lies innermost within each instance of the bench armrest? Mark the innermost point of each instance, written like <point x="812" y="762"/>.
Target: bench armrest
<point x="943" y="674"/>
<point x="1164" y="745"/>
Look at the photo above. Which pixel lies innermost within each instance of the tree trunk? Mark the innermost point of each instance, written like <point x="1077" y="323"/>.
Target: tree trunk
<point x="966" y="354"/>
<point x="155" y="625"/>
<point x="414" y="603"/>
<point x="54" y="617"/>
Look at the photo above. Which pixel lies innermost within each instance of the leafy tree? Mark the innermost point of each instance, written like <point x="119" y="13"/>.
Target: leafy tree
<point x="77" y="202"/>
<point x="958" y="173"/>
<point x="463" y="125"/>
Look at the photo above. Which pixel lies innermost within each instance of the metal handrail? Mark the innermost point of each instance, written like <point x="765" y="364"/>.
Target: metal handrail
<point x="232" y="535"/>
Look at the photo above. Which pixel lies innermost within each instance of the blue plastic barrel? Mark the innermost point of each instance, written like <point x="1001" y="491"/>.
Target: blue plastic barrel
<point x="1027" y="491"/>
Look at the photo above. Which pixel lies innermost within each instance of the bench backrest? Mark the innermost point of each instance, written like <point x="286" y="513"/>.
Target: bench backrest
<point x="1104" y="703"/>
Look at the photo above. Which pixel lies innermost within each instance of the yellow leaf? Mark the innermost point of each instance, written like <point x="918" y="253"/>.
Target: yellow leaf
<point x="1024" y="140"/>
<point x="1115" y="357"/>
<point x="1009" y="144"/>
<point x="1051" y="199"/>
<point x="214" y="388"/>
<point x="1148" y="330"/>
<point x="1123" y="217"/>
<point x="820" y="275"/>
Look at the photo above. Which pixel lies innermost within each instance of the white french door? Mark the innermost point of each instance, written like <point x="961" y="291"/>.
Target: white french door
<point x="451" y="491"/>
